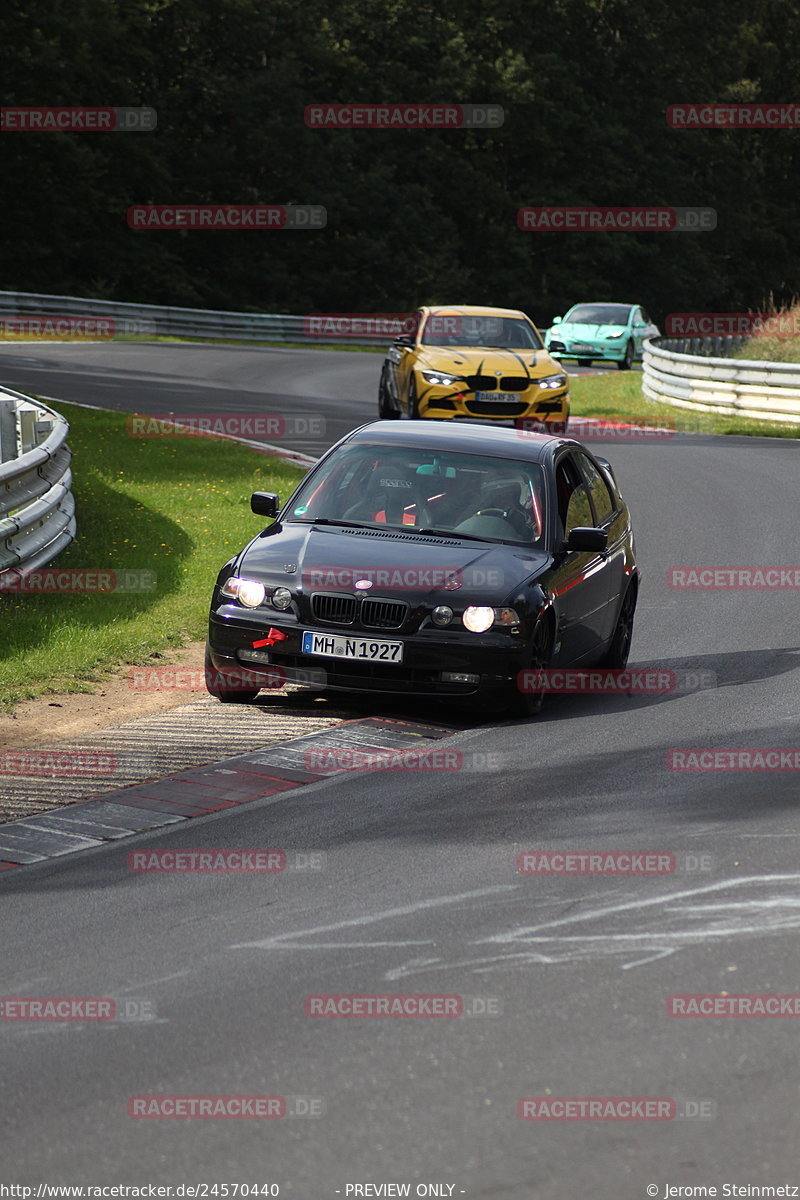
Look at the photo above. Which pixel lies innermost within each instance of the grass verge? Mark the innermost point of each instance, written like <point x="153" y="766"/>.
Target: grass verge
<point x="619" y="397"/>
<point x="175" y="506"/>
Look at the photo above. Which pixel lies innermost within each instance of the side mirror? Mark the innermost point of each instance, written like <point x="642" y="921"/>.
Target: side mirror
<point x="266" y="504"/>
<point x="556" y="321"/>
<point x="586" y="538"/>
<point x="404" y="339"/>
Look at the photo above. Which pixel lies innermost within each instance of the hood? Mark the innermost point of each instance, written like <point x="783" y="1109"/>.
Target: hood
<point x="404" y="566"/>
<point x="462" y="361"/>
<point x="585" y="331"/>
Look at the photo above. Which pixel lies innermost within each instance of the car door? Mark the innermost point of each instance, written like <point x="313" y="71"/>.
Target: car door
<point x="578" y="581"/>
<point x="610" y="515"/>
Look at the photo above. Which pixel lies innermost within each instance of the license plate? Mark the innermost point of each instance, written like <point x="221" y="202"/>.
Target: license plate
<point x="499" y="397"/>
<point x="583" y="349"/>
<point x="335" y="645"/>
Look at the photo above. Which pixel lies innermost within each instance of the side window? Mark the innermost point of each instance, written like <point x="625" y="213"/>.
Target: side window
<point x="604" y="503"/>
<point x="574" y="508"/>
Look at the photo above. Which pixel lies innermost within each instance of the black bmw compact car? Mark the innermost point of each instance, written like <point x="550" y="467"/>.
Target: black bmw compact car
<point x="420" y="560"/>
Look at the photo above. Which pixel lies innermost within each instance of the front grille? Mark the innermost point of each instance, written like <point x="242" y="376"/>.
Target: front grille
<point x="514" y="408"/>
<point x="334" y="608"/>
<point x="515" y="383"/>
<point x="557" y="346"/>
<point x="481" y="383"/>
<point x="548" y="406"/>
<point x="383" y="614"/>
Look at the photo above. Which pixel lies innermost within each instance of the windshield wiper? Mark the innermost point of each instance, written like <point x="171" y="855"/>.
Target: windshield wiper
<point x="329" y="521"/>
<point x="450" y="533"/>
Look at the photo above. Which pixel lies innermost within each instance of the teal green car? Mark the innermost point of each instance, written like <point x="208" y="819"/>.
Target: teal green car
<point x="605" y="332"/>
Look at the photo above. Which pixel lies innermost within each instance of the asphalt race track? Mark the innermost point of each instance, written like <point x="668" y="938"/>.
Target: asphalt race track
<point x="317" y="395"/>
<point x="420" y="892"/>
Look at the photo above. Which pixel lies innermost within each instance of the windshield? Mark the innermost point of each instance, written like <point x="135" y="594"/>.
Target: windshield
<point x="599" y="314"/>
<point x="480" y="332"/>
<point x="405" y="488"/>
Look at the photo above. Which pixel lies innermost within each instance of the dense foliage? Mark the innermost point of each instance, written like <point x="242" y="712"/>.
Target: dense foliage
<point x="413" y="217"/>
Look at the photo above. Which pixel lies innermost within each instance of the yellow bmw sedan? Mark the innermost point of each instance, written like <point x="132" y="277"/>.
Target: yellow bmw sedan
<point x="473" y="361"/>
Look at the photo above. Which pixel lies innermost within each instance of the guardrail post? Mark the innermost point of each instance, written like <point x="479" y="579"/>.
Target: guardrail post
<point x="8" y="430"/>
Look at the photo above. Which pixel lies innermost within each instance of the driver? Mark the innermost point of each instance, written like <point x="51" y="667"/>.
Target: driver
<point x="394" y="495"/>
<point x="510" y="500"/>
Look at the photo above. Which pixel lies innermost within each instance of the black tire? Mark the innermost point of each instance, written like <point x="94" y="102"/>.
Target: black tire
<point x="216" y="684"/>
<point x="616" y="656"/>
<point x="584" y="362"/>
<point x="413" y="400"/>
<point x="626" y="363"/>
<point x="540" y="653"/>
<point x="385" y="410"/>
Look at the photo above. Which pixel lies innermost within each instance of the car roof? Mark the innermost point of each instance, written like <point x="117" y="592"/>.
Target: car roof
<point x="478" y="310"/>
<point x="475" y="439"/>
<point x="614" y="303"/>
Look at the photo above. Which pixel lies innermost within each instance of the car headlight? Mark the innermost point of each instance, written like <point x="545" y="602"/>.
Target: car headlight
<point x="248" y="592"/>
<point x="478" y="618"/>
<point x="552" y="381"/>
<point x="281" y="598"/>
<point x="442" y="615"/>
<point x="615" y="335"/>
<point x="438" y="378"/>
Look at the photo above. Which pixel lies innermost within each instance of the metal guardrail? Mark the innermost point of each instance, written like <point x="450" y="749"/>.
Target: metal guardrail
<point x="153" y="319"/>
<point x="37" y="508"/>
<point x="674" y="373"/>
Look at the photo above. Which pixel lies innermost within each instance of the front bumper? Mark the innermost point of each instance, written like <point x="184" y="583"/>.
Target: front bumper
<point x="535" y="404"/>
<point x="496" y="658"/>
<point x="561" y="350"/>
